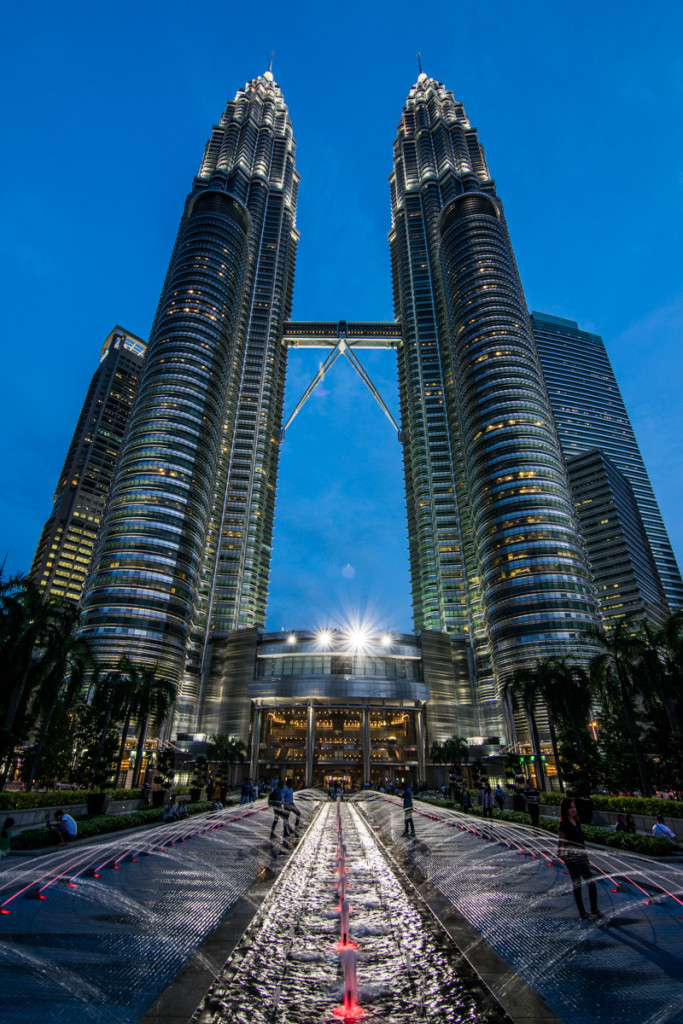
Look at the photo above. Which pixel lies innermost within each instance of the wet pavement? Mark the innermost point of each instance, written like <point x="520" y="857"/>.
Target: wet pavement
<point x="104" y="951"/>
<point x="625" y="968"/>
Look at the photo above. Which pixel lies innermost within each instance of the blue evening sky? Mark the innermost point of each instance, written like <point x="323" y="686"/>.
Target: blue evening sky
<point x="108" y="106"/>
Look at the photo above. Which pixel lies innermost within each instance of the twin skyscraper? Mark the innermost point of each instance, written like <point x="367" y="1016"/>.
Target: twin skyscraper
<point x="500" y="573"/>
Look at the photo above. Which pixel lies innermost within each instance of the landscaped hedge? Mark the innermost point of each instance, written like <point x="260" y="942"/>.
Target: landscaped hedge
<point x="15" y="800"/>
<point x="37" y="838"/>
<point x="626" y="804"/>
<point x="647" y="845"/>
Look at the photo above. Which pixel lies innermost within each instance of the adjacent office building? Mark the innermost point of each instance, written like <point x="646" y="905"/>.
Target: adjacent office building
<point x="590" y="413"/>
<point x="627" y="581"/>
<point x="65" y="549"/>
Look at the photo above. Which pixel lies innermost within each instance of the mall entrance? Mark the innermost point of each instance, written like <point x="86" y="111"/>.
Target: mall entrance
<point x="356" y="743"/>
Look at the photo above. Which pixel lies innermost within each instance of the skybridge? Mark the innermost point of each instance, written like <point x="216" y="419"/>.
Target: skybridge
<point x="341" y="337"/>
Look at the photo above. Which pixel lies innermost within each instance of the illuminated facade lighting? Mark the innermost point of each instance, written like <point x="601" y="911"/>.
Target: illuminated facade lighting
<point x="495" y="552"/>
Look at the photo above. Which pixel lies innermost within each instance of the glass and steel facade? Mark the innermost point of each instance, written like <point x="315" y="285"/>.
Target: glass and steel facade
<point x="331" y="708"/>
<point x="65" y="549"/>
<point x="626" y="578"/>
<point x="495" y="552"/>
<point x="589" y="412"/>
<point x="184" y="554"/>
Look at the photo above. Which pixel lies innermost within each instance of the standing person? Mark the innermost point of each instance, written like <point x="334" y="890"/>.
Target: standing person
<point x="64" y="828"/>
<point x="662" y="831"/>
<point x="288" y="805"/>
<point x="487" y="801"/>
<point x="500" y="797"/>
<point x="6" y="837"/>
<point x="572" y="850"/>
<point x="532" y="799"/>
<point x="275" y="801"/>
<point x="246" y="791"/>
<point x="465" y="801"/>
<point x="408" y="826"/>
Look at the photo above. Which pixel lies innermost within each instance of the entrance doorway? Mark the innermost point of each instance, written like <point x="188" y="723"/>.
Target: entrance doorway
<point x="351" y="779"/>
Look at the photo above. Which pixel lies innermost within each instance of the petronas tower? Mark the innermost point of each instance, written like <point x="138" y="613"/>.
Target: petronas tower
<point x="184" y="552"/>
<point x="499" y="575"/>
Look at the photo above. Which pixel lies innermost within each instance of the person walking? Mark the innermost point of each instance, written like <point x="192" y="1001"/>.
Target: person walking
<point x="408" y="824"/>
<point x="487" y="801"/>
<point x="572" y="850"/>
<point x="288" y="805"/>
<point x="275" y="801"/>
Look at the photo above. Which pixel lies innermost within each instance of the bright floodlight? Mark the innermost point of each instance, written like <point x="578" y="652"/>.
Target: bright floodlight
<point x="324" y="638"/>
<point x="386" y="640"/>
<point x="358" y="637"/>
<point x="291" y="639"/>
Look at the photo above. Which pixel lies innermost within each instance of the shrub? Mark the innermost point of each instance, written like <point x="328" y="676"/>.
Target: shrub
<point x="646" y="845"/>
<point x="38" y="838"/>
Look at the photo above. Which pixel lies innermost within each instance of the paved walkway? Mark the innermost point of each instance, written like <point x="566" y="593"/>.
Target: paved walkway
<point x="625" y="969"/>
<point x="103" y="952"/>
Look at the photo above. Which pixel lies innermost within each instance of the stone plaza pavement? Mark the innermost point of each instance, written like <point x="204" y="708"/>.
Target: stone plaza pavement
<point x="103" y="952"/>
<point x="626" y="968"/>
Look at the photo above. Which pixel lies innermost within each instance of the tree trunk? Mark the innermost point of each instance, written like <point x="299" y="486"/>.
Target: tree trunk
<point x="141" y="747"/>
<point x="536" y="740"/>
<point x="556" y="755"/>
<point x="122" y="745"/>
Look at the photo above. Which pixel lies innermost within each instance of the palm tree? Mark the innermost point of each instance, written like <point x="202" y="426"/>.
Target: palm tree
<point x="663" y="666"/>
<point x="151" y="701"/>
<point x="65" y="658"/>
<point x="24" y="617"/>
<point x="109" y="690"/>
<point x="228" y="750"/>
<point x="616" y="675"/>
<point x="524" y="688"/>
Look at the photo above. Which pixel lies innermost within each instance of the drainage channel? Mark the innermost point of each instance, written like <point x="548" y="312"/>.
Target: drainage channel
<point x="338" y="937"/>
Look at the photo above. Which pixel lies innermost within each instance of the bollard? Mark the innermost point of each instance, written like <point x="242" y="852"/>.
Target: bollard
<point x="341" y="885"/>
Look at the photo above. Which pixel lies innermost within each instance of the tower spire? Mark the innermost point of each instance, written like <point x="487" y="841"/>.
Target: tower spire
<point x="270" y="65"/>
<point x="419" y="62"/>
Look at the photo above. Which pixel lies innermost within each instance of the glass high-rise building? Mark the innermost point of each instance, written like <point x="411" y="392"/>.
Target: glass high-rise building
<point x="499" y="574"/>
<point x="64" y="552"/>
<point x="184" y="551"/>
<point x="626" y="578"/>
<point x="590" y="413"/>
<point x="495" y="553"/>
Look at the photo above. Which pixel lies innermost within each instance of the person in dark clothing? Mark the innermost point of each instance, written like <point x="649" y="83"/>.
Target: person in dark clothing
<point x="532" y="799"/>
<point x="409" y="826"/>
<point x="572" y="850"/>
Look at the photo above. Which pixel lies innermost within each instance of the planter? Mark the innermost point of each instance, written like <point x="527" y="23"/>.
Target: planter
<point x="98" y="803"/>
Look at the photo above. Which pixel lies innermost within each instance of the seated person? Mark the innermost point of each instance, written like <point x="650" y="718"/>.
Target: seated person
<point x="662" y="831"/>
<point x="64" y="828"/>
